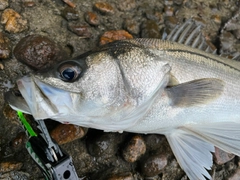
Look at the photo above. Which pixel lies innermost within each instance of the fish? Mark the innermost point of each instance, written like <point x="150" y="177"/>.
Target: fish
<point x="148" y="86"/>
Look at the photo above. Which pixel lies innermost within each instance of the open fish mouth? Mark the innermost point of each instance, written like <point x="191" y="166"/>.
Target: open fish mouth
<point x="39" y="99"/>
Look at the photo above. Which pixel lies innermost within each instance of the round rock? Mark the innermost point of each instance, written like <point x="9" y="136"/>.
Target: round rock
<point x="80" y="30"/>
<point x="104" y="8"/>
<point x="65" y="133"/>
<point x="153" y="165"/>
<point x="38" y="52"/>
<point x="114" y="35"/>
<point x="91" y="18"/>
<point x="135" y="148"/>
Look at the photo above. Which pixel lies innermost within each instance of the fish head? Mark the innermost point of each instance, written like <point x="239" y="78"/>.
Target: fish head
<point x="98" y="90"/>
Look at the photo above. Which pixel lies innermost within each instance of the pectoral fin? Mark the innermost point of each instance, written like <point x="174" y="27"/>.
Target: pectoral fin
<point x="195" y="92"/>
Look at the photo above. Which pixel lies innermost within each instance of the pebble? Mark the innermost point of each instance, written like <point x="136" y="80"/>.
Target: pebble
<point x="13" y="21"/>
<point x="9" y="113"/>
<point x="114" y="35"/>
<point x="102" y="145"/>
<point x="70" y="14"/>
<point x="19" y="141"/>
<point x="216" y="18"/>
<point x="38" y="51"/>
<point x="154" y="165"/>
<point x="154" y="142"/>
<point x="10" y="166"/>
<point x="135" y="148"/>
<point x="131" y="26"/>
<point x="3" y="4"/>
<point x="150" y="29"/>
<point x="104" y="8"/>
<point x="221" y="157"/>
<point x="158" y="17"/>
<point x="65" y="133"/>
<point x="5" y="48"/>
<point x="168" y="10"/>
<point x="28" y="3"/>
<point x="92" y="18"/>
<point x="126" y="5"/>
<point x="122" y="176"/>
<point x="80" y="30"/>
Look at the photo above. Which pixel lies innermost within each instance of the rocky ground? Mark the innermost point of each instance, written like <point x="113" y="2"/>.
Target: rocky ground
<point x="36" y="33"/>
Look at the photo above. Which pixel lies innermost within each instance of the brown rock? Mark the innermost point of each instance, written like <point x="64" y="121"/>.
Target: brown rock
<point x="150" y="29"/>
<point x="5" y="48"/>
<point x="154" y="165"/>
<point x="135" y="148"/>
<point x="3" y="4"/>
<point x="9" y="113"/>
<point x="9" y="166"/>
<point x="28" y="3"/>
<point x="221" y="157"/>
<point x="38" y="51"/>
<point x="70" y="14"/>
<point x="19" y="141"/>
<point x="65" y="133"/>
<point x="14" y="23"/>
<point x="132" y="26"/>
<point x="91" y="18"/>
<point x="80" y="30"/>
<point x="114" y="35"/>
<point x="121" y="176"/>
<point x="104" y="8"/>
<point x="126" y="5"/>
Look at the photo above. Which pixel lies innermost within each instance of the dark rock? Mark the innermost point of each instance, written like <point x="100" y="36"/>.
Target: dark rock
<point x="102" y="145"/>
<point x="155" y="142"/>
<point x="221" y="157"/>
<point x="135" y="148"/>
<point x="150" y="30"/>
<point x="13" y="21"/>
<point x="5" y="48"/>
<point x="113" y="35"/>
<point x="70" y="14"/>
<point x="91" y="18"/>
<point x="19" y="141"/>
<point x="38" y="51"/>
<point x="155" y="16"/>
<point x="154" y="165"/>
<point x="126" y="5"/>
<point x="121" y="176"/>
<point x="65" y="133"/>
<point x="80" y="30"/>
<point x="104" y="8"/>
<point x="131" y="26"/>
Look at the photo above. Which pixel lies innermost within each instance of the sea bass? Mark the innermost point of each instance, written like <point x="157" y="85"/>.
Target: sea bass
<point x="144" y="86"/>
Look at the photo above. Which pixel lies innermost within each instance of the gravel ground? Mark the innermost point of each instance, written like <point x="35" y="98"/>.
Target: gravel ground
<point x="71" y="31"/>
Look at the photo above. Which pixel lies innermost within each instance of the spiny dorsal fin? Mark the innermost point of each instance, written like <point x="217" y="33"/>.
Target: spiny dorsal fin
<point x="195" y="92"/>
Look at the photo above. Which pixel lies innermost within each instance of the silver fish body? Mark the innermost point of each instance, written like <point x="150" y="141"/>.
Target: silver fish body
<point x="145" y="86"/>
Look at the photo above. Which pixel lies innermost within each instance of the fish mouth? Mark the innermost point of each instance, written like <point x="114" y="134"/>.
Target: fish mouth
<point x="38" y="99"/>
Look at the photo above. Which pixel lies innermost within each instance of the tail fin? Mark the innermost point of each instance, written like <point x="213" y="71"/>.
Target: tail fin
<point x="193" y="144"/>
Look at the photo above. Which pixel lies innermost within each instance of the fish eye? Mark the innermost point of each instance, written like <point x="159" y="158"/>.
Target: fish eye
<point x="69" y="72"/>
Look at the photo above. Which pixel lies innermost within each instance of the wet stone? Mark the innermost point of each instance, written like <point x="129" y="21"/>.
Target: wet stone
<point x="104" y="8"/>
<point x="126" y="5"/>
<point x="114" y="35"/>
<point x="92" y="18"/>
<point x="28" y="3"/>
<point x="5" y="48"/>
<point x="150" y="29"/>
<point x="10" y="166"/>
<point x="102" y="145"/>
<point x="80" y="30"/>
<point x="135" y="148"/>
<point x="154" y="141"/>
<point x="3" y="4"/>
<point x="154" y="165"/>
<point x="221" y="157"/>
<point x="19" y="141"/>
<point x="65" y="133"/>
<point x="13" y="21"/>
<point x="38" y="51"/>
<point x="70" y="14"/>
<point x="131" y="26"/>
<point x="155" y="16"/>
